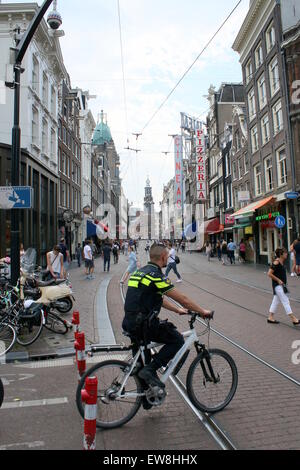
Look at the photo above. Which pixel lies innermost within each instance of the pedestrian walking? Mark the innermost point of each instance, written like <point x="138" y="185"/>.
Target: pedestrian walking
<point x="208" y="249"/>
<point x="78" y="254"/>
<point x="55" y="263"/>
<point x="88" y="259"/>
<point x="242" y="248"/>
<point x="172" y="263"/>
<point x="183" y="247"/>
<point x="278" y="275"/>
<point x="106" y="256"/>
<point x="126" y="247"/>
<point x="231" y="251"/>
<point x="219" y="250"/>
<point x="296" y="252"/>
<point x="115" y="251"/>
<point x="132" y="267"/>
<point x="224" y="252"/>
<point x="66" y="255"/>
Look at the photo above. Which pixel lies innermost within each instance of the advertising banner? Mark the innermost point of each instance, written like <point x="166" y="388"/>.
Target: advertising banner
<point x="200" y="167"/>
<point x="179" y="200"/>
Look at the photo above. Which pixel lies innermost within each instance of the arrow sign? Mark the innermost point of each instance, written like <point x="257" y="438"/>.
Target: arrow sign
<point x="16" y="197"/>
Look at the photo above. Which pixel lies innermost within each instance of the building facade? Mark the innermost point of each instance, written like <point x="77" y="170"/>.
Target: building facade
<point x="69" y="158"/>
<point x="40" y="85"/>
<point x="259" y="46"/>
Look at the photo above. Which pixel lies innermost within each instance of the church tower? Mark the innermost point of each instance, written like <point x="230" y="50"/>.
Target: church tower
<point x="148" y="209"/>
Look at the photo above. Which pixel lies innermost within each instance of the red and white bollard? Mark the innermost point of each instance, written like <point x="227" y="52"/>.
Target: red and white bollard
<point x="76" y="321"/>
<point x="89" y="398"/>
<point x="79" y="346"/>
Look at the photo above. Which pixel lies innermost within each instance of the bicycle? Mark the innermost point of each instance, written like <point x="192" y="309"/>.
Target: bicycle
<point x="211" y="382"/>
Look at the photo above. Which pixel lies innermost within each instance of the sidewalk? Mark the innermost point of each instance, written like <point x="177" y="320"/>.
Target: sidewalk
<point x="86" y="293"/>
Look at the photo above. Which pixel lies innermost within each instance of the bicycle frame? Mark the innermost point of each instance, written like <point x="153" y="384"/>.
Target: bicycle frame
<point x="191" y="338"/>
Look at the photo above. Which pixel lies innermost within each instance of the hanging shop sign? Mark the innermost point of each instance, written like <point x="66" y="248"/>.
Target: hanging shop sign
<point x="229" y="219"/>
<point x="189" y="123"/>
<point x="271" y="215"/>
<point x="178" y="171"/>
<point x="248" y="230"/>
<point x="200" y="167"/>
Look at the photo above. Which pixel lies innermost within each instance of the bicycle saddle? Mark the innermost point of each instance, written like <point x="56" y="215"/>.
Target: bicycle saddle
<point x="52" y="282"/>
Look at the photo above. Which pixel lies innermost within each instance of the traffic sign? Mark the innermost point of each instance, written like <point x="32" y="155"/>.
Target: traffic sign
<point x="16" y="197"/>
<point x="292" y="195"/>
<point x="280" y="221"/>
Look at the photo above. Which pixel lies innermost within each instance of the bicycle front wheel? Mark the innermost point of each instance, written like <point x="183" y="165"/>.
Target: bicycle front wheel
<point x="56" y="324"/>
<point x="29" y="329"/>
<point x="113" y="411"/>
<point x="207" y="394"/>
<point x="7" y="338"/>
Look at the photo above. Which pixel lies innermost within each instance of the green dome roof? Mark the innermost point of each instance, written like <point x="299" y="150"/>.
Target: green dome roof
<point x="102" y="133"/>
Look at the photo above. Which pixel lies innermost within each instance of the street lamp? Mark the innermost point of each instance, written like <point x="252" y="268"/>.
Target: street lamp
<point x="20" y="50"/>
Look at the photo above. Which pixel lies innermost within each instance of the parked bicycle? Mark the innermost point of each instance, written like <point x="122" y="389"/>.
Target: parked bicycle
<point x="211" y="381"/>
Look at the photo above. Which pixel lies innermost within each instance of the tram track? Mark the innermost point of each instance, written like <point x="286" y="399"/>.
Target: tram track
<point x="241" y="347"/>
<point x="210" y="424"/>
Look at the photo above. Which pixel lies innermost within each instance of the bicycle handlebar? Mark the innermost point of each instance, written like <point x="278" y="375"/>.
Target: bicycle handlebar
<point x="197" y="314"/>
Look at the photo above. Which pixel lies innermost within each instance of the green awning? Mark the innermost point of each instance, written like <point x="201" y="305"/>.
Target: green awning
<point x="242" y="226"/>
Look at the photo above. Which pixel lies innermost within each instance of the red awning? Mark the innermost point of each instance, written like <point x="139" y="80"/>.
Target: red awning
<point x="213" y="226"/>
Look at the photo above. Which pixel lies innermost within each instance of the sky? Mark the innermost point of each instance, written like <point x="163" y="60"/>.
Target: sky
<point x="160" y="40"/>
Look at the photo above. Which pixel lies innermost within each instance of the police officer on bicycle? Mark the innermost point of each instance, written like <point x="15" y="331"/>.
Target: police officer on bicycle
<point x="146" y="295"/>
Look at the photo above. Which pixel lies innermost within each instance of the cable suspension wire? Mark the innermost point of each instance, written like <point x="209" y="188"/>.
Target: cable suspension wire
<point x="192" y="65"/>
<point x="123" y="69"/>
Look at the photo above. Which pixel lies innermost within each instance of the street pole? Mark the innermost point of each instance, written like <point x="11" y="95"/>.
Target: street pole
<point x="20" y="52"/>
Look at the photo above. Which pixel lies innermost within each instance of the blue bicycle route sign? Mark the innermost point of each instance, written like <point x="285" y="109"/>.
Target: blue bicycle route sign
<point x="16" y="197"/>
<point x="280" y="221"/>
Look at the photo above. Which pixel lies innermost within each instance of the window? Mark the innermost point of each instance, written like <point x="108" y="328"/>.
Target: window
<point x="258" y="56"/>
<point x="270" y="37"/>
<point x="35" y="74"/>
<point x="45" y="89"/>
<point x="274" y="76"/>
<point x="251" y="104"/>
<point x="234" y="170"/>
<point x="237" y="141"/>
<point x="262" y="91"/>
<point x="257" y="180"/>
<point x="254" y="139"/>
<point x="63" y="195"/>
<point x="236" y="197"/>
<point x="277" y="117"/>
<point x="35" y="126"/>
<point x="281" y="167"/>
<point x="246" y="163"/>
<point x="249" y="71"/>
<point x="227" y="165"/>
<point x="45" y="137"/>
<point x="228" y="196"/>
<point x="53" y="101"/>
<point x="240" y="164"/>
<point x="269" y="174"/>
<point x="53" y="143"/>
<point x="265" y="129"/>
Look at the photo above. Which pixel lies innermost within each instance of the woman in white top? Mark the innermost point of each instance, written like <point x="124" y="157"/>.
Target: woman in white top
<point x="172" y="263"/>
<point x="55" y="263"/>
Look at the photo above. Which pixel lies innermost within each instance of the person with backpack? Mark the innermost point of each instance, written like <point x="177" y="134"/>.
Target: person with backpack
<point x="78" y="254"/>
<point x="115" y="251"/>
<point x="172" y="265"/>
<point x="106" y="255"/>
<point x="66" y="255"/>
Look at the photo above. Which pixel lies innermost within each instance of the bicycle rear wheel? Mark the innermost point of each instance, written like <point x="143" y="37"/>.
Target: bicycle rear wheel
<point x="56" y="324"/>
<point x="7" y="338"/>
<point x="29" y="329"/>
<point x="203" y="392"/>
<point x="112" y="412"/>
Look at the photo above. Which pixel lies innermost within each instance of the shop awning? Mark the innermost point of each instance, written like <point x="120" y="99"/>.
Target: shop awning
<point x="251" y="208"/>
<point x="213" y="226"/>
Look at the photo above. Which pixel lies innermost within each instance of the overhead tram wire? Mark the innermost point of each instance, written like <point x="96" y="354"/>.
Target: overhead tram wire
<point x="191" y="66"/>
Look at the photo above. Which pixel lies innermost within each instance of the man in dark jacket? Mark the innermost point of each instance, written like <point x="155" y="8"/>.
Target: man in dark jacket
<point x="106" y="255"/>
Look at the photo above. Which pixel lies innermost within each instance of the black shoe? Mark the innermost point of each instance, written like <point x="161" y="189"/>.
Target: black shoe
<point x="146" y="404"/>
<point x="275" y="322"/>
<point x="149" y="375"/>
<point x="297" y="323"/>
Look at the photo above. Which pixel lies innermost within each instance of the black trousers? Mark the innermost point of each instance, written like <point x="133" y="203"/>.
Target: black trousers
<point x="163" y="333"/>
